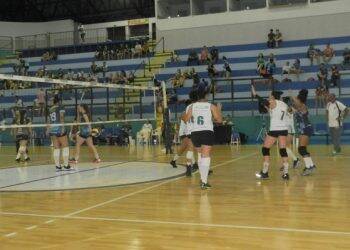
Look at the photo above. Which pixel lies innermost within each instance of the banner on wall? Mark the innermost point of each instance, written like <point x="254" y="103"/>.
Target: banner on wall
<point x="140" y="21"/>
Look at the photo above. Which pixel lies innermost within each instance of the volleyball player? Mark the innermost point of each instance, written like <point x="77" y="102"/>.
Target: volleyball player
<point x="305" y="130"/>
<point x="84" y="134"/>
<point x="278" y="131"/>
<point x="22" y="134"/>
<point x="58" y="134"/>
<point x="186" y="142"/>
<point x="202" y="114"/>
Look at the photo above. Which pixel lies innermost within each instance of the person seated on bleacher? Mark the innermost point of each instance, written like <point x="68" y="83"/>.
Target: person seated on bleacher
<point x="313" y="53"/>
<point x="271" y="66"/>
<point x="204" y="55"/>
<point x="192" y="58"/>
<point x="346" y="57"/>
<point x="322" y="75"/>
<point x="278" y="38"/>
<point x="260" y="62"/>
<point x="214" y="54"/>
<point x="137" y="50"/>
<point x="227" y="68"/>
<point x="296" y="68"/>
<point x="335" y="76"/>
<point x="131" y="77"/>
<point x="271" y="42"/>
<point x="175" y="58"/>
<point x="179" y="79"/>
<point x="145" y="49"/>
<point x="328" y="53"/>
<point x="286" y="69"/>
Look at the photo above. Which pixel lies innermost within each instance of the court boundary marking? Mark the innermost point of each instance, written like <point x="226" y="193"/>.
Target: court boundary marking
<point x="92" y="187"/>
<point x="177" y="223"/>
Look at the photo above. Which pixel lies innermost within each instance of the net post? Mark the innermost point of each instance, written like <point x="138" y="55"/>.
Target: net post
<point x="166" y="121"/>
<point x="107" y="95"/>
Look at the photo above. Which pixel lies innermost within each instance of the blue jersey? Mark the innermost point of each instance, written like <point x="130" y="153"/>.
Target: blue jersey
<point x="55" y="118"/>
<point x="303" y="123"/>
<point x="84" y="130"/>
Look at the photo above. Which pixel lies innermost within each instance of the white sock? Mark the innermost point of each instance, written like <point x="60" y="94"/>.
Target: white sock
<point x="265" y="167"/>
<point x="291" y="154"/>
<point x="65" y="155"/>
<point x="285" y="167"/>
<point x="308" y="162"/>
<point x="176" y="156"/>
<point x="204" y="169"/>
<point x="189" y="157"/>
<point x="97" y="156"/>
<point x="56" y="156"/>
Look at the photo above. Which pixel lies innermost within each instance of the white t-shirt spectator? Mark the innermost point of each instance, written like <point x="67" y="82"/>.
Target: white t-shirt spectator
<point x="147" y="126"/>
<point x="334" y="110"/>
<point x="286" y="68"/>
<point x="41" y="97"/>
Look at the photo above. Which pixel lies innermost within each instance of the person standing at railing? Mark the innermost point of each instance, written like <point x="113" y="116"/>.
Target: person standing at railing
<point x="82" y="32"/>
<point x="336" y="112"/>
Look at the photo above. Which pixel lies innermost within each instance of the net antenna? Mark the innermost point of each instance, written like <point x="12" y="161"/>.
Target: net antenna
<point x="89" y="85"/>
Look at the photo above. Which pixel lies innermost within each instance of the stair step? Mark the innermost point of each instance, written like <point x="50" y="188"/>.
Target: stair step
<point x="161" y="54"/>
<point x="143" y="79"/>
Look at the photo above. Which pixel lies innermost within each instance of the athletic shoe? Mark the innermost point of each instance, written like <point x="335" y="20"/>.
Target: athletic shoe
<point x="296" y="163"/>
<point x="173" y="163"/>
<point x="97" y="160"/>
<point x="285" y="176"/>
<point x="58" y="168"/>
<point x="194" y="167"/>
<point x="210" y="172"/>
<point x="27" y="159"/>
<point x="281" y="168"/>
<point x="308" y="171"/>
<point x="205" y="186"/>
<point x="73" y="161"/>
<point x="188" y="170"/>
<point x="18" y="160"/>
<point x="262" y="175"/>
<point x="67" y="168"/>
<point x="335" y="153"/>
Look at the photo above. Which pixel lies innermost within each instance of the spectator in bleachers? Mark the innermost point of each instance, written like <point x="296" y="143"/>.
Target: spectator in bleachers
<point x="335" y="76"/>
<point x="227" y="68"/>
<point x="214" y="54"/>
<point x="278" y="38"/>
<point x="286" y="68"/>
<point x="322" y="75"/>
<point x="328" y="53"/>
<point x="336" y="112"/>
<point x="175" y="58"/>
<point x="41" y="100"/>
<point x="104" y="69"/>
<point x="205" y="55"/>
<point x="296" y="68"/>
<point x="313" y="54"/>
<point x="271" y="67"/>
<point x="131" y="77"/>
<point x="18" y="102"/>
<point x="260" y="62"/>
<point x="346" y="57"/>
<point x="145" y="49"/>
<point x="137" y="50"/>
<point x="271" y="42"/>
<point x="195" y="78"/>
<point x="192" y="58"/>
<point x="263" y="72"/>
<point x="178" y="79"/>
<point x="212" y="72"/>
<point x="94" y="68"/>
<point x="82" y="32"/>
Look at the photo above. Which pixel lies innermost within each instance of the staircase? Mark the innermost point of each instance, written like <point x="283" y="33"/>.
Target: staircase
<point x="144" y="77"/>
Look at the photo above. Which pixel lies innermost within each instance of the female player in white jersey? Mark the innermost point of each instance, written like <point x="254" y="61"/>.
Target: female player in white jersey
<point x="278" y="131"/>
<point x="202" y="115"/>
<point x="186" y="142"/>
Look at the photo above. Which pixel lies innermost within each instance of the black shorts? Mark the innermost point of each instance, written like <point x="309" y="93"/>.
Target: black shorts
<point x="85" y="136"/>
<point x="22" y="138"/>
<point x="277" y="133"/>
<point x="200" y="138"/>
<point x="307" y="131"/>
<point x="185" y="136"/>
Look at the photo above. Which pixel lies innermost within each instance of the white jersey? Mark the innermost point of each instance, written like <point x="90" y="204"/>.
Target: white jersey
<point x="183" y="128"/>
<point x="290" y="123"/>
<point x="202" y="118"/>
<point x="278" y="120"/>
<point x="189" y="124"/>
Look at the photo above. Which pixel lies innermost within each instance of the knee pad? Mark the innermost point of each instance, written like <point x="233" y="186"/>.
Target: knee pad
<point x="302" y="151"/>
<point x="283" y="152"/>
<point x="189" y="155"/>
<point x="265" y="151"/>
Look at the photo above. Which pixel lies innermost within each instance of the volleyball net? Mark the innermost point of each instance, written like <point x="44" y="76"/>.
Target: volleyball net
<point x="108" y="104"/>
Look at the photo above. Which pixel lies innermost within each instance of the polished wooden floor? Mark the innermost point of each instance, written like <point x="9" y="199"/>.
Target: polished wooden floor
<point x="238" y="213"/>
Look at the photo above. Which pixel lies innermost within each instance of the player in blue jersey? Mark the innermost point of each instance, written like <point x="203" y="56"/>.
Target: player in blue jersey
<point x="84" y="134"/>
<point x="58" y="134"/>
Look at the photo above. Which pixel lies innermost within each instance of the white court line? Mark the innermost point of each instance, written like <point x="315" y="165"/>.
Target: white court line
<point x="31" y="227"/>
<point x="10" y="234"/>
<point x="232" y="226"/>
<point x="148" y="188"/>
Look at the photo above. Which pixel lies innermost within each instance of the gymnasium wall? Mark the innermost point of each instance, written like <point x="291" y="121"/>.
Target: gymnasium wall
<point x="25" y="28"/>
<point x="325" y="19"/>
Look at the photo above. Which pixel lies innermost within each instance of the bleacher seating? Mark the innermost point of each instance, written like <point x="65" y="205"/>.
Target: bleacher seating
<point x="241" y="57"/>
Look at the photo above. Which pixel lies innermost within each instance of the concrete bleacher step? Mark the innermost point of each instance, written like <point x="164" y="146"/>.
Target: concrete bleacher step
<point x="154" y="66"/>
<point x="163" y="54"/>
<point x="143" y="79"/>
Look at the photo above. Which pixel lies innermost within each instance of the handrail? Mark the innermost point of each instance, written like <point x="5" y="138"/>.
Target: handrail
<point x="162" y="39"/>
